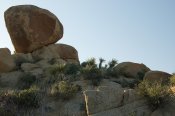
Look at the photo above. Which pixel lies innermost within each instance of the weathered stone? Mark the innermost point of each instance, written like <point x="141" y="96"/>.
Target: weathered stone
<point x="131" y="70"/>
<point x="157" y="76"/>
<point x="166" y="110"/>
<point x="38" y="72"/>
<point x="9" y="80"/>
<point x="31" y="27"/>
<point x="21" y="57"/>
<point x="74" y="107"/>
<point x="28" y="67"/>
<point x="43" y="64"/>
<point x="130" y="95"/>
<point x="104" y="98"/>
<point x="56" y="51"/>
<point x="6" y="60"/>
<point x="137" y="108"/>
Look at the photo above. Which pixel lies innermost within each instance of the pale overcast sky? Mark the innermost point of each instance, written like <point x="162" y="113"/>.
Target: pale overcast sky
<point x="140" y="31"/>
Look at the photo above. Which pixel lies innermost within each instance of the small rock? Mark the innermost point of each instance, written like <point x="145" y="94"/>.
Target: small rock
<point x="6" y="60"/>
<point x="28" y="67"/>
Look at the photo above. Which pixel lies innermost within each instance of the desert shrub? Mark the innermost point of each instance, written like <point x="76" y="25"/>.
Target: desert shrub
<point x="155" y="92"/>
<point x="7" y="107"/>
<point x="13" y="102"/>
<point x="4" y="112"/>
<point x="111" y="72"/>
<point x="52" y="61"/>
<point x="90" y="62"/>
<point x="172" y="80"/>
<point x="93" y="74"/>
<point x="64" y="90"/>
<point x="26" y="80"/>
<point x="56" y="69"/>
<point x="27" y="99"/>
<point x="112" y="63"/>
<point x="71" y="69"/>
<point x="83" y="64"/>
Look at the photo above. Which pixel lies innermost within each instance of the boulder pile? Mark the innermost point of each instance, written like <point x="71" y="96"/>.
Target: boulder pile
<point x="41" y="63"/>
<point x="34" y="32"/>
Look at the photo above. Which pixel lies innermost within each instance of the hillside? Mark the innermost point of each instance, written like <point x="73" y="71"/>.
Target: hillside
<point x="45" y="78"/>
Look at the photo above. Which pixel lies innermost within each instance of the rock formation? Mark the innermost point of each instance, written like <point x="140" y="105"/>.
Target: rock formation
<point x="31" y="27"/>
<point x="57" y="51"/>
<point x="39" y="64"/>
<point x="157" y="76"/>
<point x="130" y="69"/>
<point x="6" y="60"/>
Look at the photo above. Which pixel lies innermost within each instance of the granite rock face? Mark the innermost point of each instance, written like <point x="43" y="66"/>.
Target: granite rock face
<point x="31" y="27"/>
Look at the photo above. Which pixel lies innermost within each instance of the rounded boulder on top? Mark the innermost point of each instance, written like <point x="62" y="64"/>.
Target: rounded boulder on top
<point x="31" y="27"/>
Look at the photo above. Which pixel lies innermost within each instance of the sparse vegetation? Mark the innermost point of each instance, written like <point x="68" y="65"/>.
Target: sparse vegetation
<point x="56" y="69"/>
<point x="172" y="80"/>
<point x="155" y="92"/>
<point x="20" y="60"/>
<point x="13" y="102"/>
<point x="112" y="63"/>
<point x="64" y="90"/>
<point x="71" y="69"/>
<point x="27" y="99"/>
<point x="92" y="73"/>
<point x="26" y="80"/>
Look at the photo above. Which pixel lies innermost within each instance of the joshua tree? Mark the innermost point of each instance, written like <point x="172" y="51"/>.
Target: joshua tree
<point x="101" y="60"/>
<point x="112" y="63"/>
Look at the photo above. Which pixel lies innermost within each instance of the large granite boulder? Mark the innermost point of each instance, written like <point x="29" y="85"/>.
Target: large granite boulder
<point x="131" y="70"/>
<point x="105" y="98"/>
<point x="31" y="27"/>
<point x="157" y="76"/>
<point x="115" y="101"/>
<point x="56" y="51"/>
<point x="6" y="60"/>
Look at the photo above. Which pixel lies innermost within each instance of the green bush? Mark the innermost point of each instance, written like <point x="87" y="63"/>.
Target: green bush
<point x="155" y="92"/>
<point x="7" y="107"/>
<point x="93" y="74"/>
<point x="112" y="63"/>
<point x="56" y="69"/>
<point x="5" y="112"/>
<point x="71" y="69"/>
<point x="27" y="99"/>
<point x="13" y="102"/>
<point x="26" y="80"/>
<point x="64" y="90"/>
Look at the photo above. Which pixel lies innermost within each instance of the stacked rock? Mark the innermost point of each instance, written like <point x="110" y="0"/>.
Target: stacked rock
<point x="34" y="32"/>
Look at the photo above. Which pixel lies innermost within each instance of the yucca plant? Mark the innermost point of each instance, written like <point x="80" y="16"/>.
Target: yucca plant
<point x="101" y="61"/>
<point x="112" y="63"/>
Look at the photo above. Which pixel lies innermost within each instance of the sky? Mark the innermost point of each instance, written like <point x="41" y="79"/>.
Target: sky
<point x="141" y="31"/>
